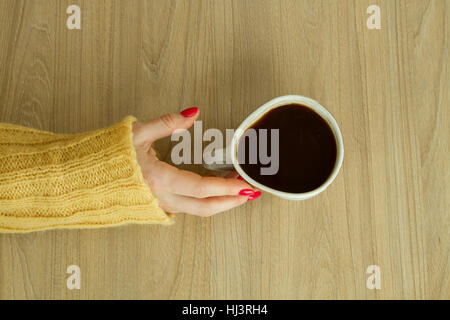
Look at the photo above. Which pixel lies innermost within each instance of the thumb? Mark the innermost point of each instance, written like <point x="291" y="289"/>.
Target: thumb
<point x="164" y="126"/>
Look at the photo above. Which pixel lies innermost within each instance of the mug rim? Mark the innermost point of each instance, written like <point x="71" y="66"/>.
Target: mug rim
<point x="278" y="102"/>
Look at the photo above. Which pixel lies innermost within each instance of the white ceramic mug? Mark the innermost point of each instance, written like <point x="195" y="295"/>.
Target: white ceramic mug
<point x="230" y="154"/>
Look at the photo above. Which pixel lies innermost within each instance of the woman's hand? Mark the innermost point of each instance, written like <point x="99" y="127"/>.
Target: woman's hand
<point x="179" y="190"/>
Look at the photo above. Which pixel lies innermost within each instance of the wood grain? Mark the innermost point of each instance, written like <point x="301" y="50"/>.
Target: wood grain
<point x="388" y="90"/>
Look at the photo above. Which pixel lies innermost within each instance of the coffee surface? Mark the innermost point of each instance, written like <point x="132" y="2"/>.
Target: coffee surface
<point x="307" y="149"/>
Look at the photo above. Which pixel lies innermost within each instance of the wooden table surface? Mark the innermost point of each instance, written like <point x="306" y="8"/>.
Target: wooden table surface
<point x="388" y="89"/>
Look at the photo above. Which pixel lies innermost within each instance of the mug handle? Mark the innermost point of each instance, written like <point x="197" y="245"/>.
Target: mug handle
<point x="224" y="163"/>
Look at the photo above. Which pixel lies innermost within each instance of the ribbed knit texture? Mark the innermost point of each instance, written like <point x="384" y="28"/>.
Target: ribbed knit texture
<point x="84" y="180"/>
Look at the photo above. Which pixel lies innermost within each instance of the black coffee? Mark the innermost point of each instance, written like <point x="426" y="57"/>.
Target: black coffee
<point x="307" y="149"/>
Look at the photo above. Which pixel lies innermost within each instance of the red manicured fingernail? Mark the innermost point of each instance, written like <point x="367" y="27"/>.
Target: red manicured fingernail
<point x="247" y="192"/>
<point x="190" y="112"/>
<point x="240" y="178"/>
<point x="253" y="197"/>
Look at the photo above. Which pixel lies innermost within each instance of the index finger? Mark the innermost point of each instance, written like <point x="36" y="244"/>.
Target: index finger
<point x="188" y="183"/>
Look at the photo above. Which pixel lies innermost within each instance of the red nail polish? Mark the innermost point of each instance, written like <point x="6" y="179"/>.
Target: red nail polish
<point x="247" y="192"/>
<point x="240" y="178"/>
<point x="190" y="112"/>
<point x="253" y="197"/>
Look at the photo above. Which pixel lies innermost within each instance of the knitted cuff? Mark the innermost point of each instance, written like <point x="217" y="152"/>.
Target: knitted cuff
<point x="82" y="180"/>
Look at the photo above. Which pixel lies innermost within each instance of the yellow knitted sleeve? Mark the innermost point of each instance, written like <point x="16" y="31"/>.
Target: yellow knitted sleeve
<point x="84" y="180"/>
